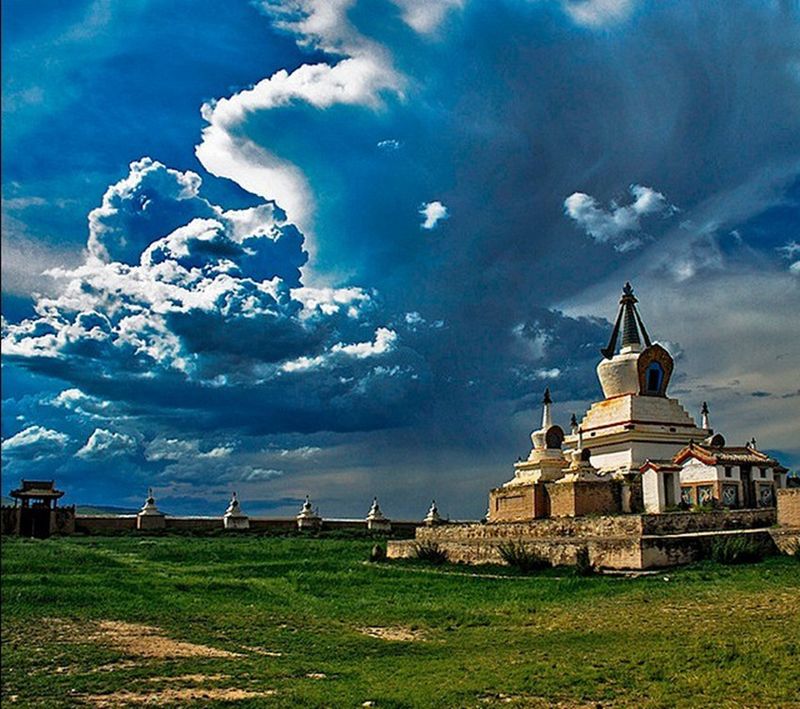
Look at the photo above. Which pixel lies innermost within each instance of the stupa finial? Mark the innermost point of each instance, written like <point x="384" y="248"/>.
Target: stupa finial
<point x="628" y="318"/>
<point x="704" y="416"/>
<point x="547" y="420"/>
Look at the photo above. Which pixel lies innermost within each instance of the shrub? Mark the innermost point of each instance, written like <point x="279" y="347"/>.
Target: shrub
<point x="736" y="550"/>
<point x="430" y="552"/>
<point x="378" y="553"/>
<point x="583" y="566"/>
<point x="519" y="556"/>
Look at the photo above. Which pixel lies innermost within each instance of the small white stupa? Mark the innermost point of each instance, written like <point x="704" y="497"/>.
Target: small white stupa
<point x="150" y="517"/>
<point x="234" y="518"/>
<point x="546" y="460"/>
<point x="433" y="517"/>
<point x="376" y="521"/>
<point x="308" y="519"/>
<point x="580" y="467"/>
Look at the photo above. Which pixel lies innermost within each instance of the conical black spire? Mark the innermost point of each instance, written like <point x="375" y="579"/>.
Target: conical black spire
<point x="546" y="398"/>
<point x="628" y="317"/>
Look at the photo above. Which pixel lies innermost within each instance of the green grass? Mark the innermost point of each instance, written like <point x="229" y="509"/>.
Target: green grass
<point x="708" y="635"/>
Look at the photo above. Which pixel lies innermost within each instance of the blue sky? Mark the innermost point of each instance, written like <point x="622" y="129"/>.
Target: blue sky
<point x="340" y="248"/>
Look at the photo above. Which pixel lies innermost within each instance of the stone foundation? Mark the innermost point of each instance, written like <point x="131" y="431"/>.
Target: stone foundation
<point x="788" y="506"/>
<point x="612" y="542"/>
<point x="540" y="500"/>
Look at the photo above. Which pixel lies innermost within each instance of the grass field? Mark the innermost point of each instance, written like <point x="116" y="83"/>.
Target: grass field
<point x="291" y="622"/>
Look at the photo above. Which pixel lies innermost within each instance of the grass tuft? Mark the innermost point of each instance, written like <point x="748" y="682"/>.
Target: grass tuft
<point x="524" y="558"/>
<point x="736" y="550"/>
<point x="430" y="552"/>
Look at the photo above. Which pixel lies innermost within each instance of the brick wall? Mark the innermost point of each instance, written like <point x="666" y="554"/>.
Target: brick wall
<point x="788" y="506"/>
<point x="517" y="503"/>
<point x="104" y="524"/>
<point x="115" y="524"/>
<point x="613" y="541"/>
<point x="683" y="522"/>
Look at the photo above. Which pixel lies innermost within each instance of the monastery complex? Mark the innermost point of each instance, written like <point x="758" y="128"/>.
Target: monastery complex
<point x="636" y="483"/>
<point x="635" y="450"/>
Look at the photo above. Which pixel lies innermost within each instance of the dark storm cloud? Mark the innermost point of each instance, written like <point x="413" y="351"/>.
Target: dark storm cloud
<point x="211" y="316"/>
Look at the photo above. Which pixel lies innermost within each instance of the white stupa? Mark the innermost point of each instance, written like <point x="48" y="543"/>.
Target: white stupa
<point x="433" y="517"/>
<point x="150" y="517"/>
<point x="308" y="518"/>
<point x="376" y="521"/>
<point x="234" y="518"/>
<point x="636" y="420"/>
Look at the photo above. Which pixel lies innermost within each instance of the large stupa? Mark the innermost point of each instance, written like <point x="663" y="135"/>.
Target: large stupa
<point x="635" y="421"/>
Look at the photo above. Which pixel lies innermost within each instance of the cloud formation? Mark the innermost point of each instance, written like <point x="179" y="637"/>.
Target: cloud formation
<point x="35" y="443"/>
<point x="103" y="444"/>
<point x="211" y="307"/>
<point x="598" y="13"/>
<point x="620" y="224"/>
<point x="432" y="213"/>
<point x="791" y="252"/>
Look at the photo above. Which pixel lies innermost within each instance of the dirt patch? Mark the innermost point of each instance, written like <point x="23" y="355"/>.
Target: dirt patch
<point x="191" y="679"/>
<point x="397" y="633"/>
<point x="146" y="641"/>
<point x="132" y="638"/>
<point x="175" y="696"/>
<point x="532" y="702"/>
<point x="262" y="651"/>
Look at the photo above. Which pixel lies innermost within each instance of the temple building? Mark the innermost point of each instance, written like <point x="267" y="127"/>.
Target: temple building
<point x="636" y="449"/>
<point x="711" y="474"/>
<point x="36" y="512"/>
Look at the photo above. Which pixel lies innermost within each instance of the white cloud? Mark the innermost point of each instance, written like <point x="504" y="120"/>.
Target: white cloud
<point x="389" y="145"/>
<point x="617" y="225"/>
<point x="384" y="342"/>
<point x="598" y="13"/>
<point x="259" y="474"/>
<point x="89" y="406"/>
<point x="36" y="442"/>
<point x="103" y="443"/>
<point x="553" y="373"/>
<point x="432" y="213"/>
<point x="791" y="251"/>
<point x="425" y="16"/>
<point x="360" y="79"/>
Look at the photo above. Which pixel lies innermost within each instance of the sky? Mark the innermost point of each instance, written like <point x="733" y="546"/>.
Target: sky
<point x="339" y="248"/>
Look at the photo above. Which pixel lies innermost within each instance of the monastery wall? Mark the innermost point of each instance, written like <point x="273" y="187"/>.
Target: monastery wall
<point x="104" y="524"/>
<point x="788" y="505"/>
<point x="612" y="541"/>
<point x="115" y="524"/>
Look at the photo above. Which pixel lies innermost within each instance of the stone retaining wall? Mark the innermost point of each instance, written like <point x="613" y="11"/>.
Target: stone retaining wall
<point x="612" y="542"/>
<point x="788" y="502"/>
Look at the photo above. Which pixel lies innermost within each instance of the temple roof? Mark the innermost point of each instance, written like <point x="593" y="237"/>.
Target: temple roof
<point x="726" y="455"/>
<point x="37" y="489"/>
<point x="629" y="319"/>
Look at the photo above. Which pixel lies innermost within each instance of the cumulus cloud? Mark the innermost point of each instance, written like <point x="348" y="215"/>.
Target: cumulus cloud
<point x="103" y="444"/>
<point x="432" y="213"/>
<point x="425" y="16"/>
<point x="360" y="78"/>
<point x="620" y="224"/>
<point x="35" y="443"/>
<point x="598" y="13"/>
<point x="215" y="304"/>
